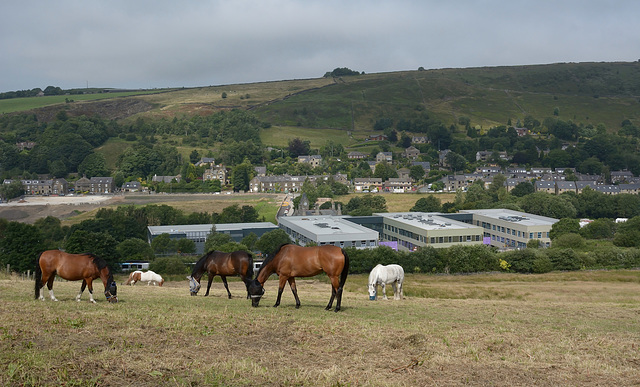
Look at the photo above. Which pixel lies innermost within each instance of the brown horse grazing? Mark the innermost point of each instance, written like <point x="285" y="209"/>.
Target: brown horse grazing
<point x="292" y="261"/>
<point x="73" y="267"/>
<point x="222" y="264"/>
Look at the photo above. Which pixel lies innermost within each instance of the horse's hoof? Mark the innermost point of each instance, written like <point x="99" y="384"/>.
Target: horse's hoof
<point x="297" y="306"/>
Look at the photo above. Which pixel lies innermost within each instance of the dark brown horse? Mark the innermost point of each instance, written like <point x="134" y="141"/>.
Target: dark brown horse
<point x="292" y="261"/>
<point x="222" y="264"/>
<point x="73" y="267"/>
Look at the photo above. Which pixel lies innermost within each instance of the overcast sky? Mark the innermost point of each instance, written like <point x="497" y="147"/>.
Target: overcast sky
<point x="157" y="43"/>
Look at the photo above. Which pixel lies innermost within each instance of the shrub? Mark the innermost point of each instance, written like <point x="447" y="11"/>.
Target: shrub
<point x="521" y="261"/>
<point x="170" y="265"/>
<point x="471" y="259"/>
<point x="564" y="259"/>
<point x="542" y="264"/>
<point x="568" y="241"/>
<point x="599" y="229"/>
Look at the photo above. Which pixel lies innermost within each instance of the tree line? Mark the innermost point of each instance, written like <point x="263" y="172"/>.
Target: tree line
<point x="113" y="234"/>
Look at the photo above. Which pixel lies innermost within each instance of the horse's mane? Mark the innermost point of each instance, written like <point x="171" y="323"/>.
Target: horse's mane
<point x="100" y="264"/>
<point x="200" y="264"/>
<point x="270" y="257"/>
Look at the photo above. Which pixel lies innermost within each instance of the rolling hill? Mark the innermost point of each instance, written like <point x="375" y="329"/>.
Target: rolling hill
<point x="585" y="93"/>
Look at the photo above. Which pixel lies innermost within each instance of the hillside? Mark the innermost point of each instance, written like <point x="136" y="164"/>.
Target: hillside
<point x="587" y="93"/>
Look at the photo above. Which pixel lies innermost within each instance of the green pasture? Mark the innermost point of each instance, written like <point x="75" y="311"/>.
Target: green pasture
<point x="21" y="104"/>
<point x="279" y="136"/>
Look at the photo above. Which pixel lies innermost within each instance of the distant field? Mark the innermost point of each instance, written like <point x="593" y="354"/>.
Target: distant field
<point x="279" y="136"/>
<point x="21" y="104"/>
<point x="401" y="202"/>
<point x="577" y="328"/>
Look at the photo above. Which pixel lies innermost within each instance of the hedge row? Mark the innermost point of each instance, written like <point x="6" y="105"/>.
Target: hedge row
<point x="464" y="259"/>
<point x="480" y="258"/>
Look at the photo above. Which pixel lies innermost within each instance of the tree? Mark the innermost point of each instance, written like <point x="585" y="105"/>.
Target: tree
<point x="455" y="161"/>
<point x="523" y="189"/>
<point x="241" y="176"/>
<point x="11" y="190"/>
<point x="599" y="229"/>
<point x="51" y="230"/>
<point x="134" y="249"/>
<point x="564" y="226"/>
<point x="271" y="240"/>
<point x="298" y="147"/>
<point x="250" y="241"/>
<point x="366" y="205"/>
<point x="416" y="172"/>
<point x="100" y="244"/>
<point x="384" y="171"/>
<point x="20" y="244"/>
<point x="194" y="156"/>
<point x="541" y="203"/>
<point x="163" y="244"/>
<point x="185" y="246"/>
<point x="427" y="204"/>
<point x="215" y="240"/>
<point x="93" y="165"/>
<point x="628" y="234"/>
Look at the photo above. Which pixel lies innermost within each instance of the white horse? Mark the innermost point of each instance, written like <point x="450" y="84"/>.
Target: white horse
<point x="147" y="276"/>
<point x="390" y="274"/>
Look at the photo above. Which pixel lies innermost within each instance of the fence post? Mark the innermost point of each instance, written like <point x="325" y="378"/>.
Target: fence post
<point x="8" y="269"/>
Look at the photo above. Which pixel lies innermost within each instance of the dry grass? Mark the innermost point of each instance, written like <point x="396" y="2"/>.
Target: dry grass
<point x="401" y="202"/>
<point x="556" y="329"/>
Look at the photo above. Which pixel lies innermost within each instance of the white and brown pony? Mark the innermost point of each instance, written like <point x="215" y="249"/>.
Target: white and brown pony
<point x="148" y="276"/>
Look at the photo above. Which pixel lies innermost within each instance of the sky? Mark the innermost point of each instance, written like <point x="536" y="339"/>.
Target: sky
<point x="167" y="43"/>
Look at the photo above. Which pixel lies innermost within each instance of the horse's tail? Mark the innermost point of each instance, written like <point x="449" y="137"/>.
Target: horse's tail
<point x="345" y="269"/>
<point x="38" y="275"/>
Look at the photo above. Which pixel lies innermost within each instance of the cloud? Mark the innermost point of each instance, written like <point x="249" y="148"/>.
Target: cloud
<point x="147" y="44"/>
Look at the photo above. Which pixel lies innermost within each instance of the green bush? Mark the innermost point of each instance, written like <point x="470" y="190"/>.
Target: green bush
<point x="564" y="259"/>
<point x="568" y="241"/>
<point x="542" y="264"/>
<point x="170" y="265"/>
<point x="471" y="259"/>
<point x="521" y="261"/>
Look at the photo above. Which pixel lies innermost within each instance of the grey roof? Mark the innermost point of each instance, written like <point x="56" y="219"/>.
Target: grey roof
<point x="322" y="228"/>
<point x="427" y="221"/>
<point x="513" y="216"/>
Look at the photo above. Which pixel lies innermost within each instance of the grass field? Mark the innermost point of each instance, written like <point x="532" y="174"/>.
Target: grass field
<point x="21" y="104"/>
<point x="490" y="329"/>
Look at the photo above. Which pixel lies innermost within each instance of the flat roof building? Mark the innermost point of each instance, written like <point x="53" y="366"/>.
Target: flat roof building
<point x="199" y="232"/>
<point x="417" y="229"/>
<point x="512" y="229"/>
<point x="328" y="230"/>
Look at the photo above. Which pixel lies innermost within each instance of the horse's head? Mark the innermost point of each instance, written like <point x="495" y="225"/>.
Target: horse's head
<point x="372" y="291"/>
<point x="112" y="292"/>
<point x="194" y="285"/>
<point x="256" y="291"/>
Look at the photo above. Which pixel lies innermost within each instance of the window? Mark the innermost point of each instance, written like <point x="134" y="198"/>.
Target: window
<point x="530" y="235"/>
